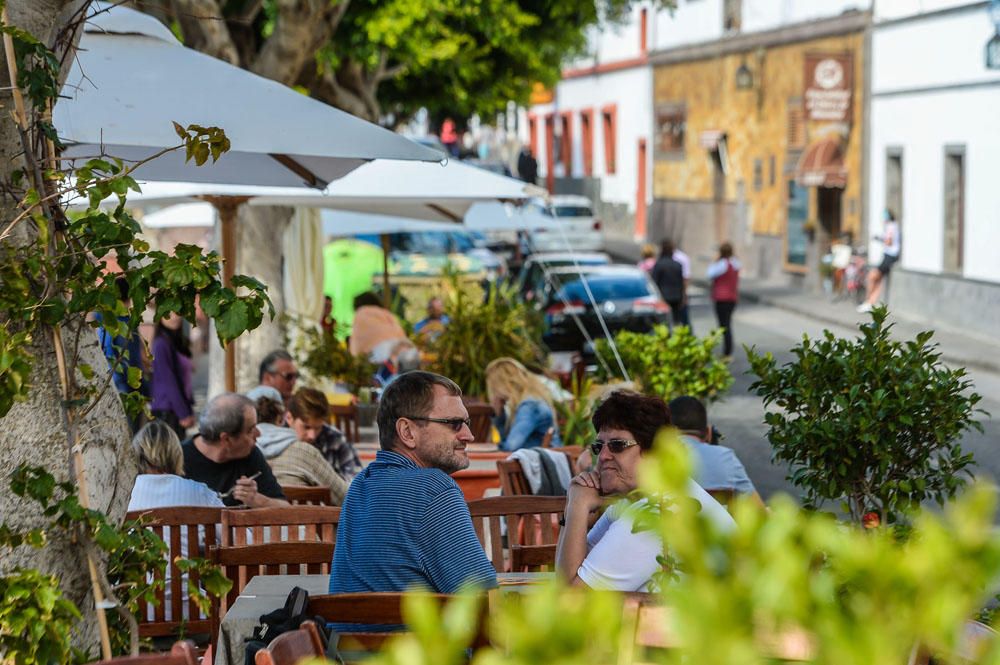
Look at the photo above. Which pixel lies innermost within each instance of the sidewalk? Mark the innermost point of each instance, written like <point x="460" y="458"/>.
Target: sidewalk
<point x="955" y="347"/>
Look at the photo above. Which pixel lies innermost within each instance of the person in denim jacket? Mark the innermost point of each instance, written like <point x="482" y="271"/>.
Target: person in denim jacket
<point x="522" y="405"/>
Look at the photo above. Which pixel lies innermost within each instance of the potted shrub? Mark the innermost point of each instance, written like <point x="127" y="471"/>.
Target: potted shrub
<point x="324" y="356"/>
<point x="668" y="363"/>
<point x="871" y="422"/>
<point x="480" y="331"/>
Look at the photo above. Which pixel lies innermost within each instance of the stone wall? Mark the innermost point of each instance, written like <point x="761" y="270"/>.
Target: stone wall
<point x="946" y="301"/>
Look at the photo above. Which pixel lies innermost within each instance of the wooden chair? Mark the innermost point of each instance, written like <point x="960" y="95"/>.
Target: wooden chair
<point x="724" y="496"/>
<point x="345" y="418"/>
<point x="653" y="621"/>
<point x="306" y="495"/>
<point x="291" y="647"/>
<point x="513" y="482"/>
<point x="481" y="416"/>
<point x="273" y="525"/>
<point x="240" y="564"/>
<point x="532" y="530"/>
<point x="189" y="532"/>
<point x="372" y="609"/>
<point x="182" y="653"/>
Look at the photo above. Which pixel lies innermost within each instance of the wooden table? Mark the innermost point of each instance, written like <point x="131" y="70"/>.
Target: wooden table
<point x="265" y="593"/>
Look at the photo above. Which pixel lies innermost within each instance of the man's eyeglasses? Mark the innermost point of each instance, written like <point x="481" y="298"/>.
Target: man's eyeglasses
<point x="454" y="423"/>
<point x="287" y="376"/>
<point x="614" y="445"/>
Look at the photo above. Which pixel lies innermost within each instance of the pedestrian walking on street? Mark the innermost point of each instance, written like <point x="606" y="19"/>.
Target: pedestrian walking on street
<point x="668" y="275"/>
<point x="527" y="166"/>
<point x="724" y="274"/>
<point x="876" y="278"/>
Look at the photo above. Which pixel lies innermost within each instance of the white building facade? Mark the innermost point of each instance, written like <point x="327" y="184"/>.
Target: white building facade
<point x="934" y="158"/>
<point x="591" y="135"/>
<point x="594" y="133"/>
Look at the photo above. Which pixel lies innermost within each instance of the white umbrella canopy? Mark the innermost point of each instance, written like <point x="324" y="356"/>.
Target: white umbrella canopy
<point x="432" y="192"/>
<point x="180" y="215"/>
<point x="505" y="217"/>
<point x="131" y="80"/>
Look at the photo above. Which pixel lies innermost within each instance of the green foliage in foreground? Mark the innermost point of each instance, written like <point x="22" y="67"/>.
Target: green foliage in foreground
<point x="669" y="363"/>
<point x="872" y="422"/>
<point x="855" y="596"/>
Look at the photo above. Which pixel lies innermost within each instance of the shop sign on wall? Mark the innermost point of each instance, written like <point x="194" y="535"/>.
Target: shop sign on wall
<point x="829" y="83"/>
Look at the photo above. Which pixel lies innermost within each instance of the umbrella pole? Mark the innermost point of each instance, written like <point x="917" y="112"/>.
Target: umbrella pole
<point x="386" y="295"/>
<point x="227" y="207"/>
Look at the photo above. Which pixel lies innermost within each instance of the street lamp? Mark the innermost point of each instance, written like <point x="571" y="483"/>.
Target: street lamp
<point x="744" y="77"/>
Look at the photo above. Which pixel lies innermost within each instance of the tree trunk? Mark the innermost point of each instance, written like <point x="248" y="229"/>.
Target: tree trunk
<point x="259" y="231"/>
<point x="34" y="432"/>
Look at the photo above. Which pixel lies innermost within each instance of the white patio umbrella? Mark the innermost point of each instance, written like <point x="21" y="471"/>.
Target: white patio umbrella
<point x="131" y="80"/>
<point x="181" y="215"/>
<point x="432" y="192"/>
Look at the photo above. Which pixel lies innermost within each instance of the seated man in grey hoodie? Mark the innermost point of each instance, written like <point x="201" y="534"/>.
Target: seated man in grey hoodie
<point x="293" y="462"/>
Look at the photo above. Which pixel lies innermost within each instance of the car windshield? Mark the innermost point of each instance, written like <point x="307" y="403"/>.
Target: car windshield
<point x="433" y="242"/>
<point x="572" y="211"/>
<point x="604" y="287"/>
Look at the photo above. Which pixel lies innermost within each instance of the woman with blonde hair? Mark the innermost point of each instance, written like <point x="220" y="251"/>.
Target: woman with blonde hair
<point x="522" y="405"/>
<point x="160" y="483"/>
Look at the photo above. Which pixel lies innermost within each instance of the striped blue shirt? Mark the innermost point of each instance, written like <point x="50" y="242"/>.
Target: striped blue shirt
<point x="404" y="526"/>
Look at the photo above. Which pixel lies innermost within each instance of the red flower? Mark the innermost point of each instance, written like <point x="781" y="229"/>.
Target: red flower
<point x="870" y="520"/>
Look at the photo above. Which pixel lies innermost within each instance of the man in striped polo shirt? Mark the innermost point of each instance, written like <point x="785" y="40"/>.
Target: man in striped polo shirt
<point x="404" y="522"/>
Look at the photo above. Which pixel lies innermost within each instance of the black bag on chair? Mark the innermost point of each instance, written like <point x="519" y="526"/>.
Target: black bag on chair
<point x="289" y="617"/>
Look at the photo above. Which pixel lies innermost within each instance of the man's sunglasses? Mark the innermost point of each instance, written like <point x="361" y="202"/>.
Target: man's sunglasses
<point x="288" y="376"/>
<point x="454" y="423"/>
<point x="614" y="445"/>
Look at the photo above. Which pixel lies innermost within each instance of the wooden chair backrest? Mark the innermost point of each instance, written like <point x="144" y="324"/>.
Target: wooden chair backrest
<point x="653" y="622"/>
<point x="725" y="496"/>
<point x="481" y="416"/>
<point x="372" y="609"/>
<point x="198" y="526"/>
<point x="307" y="495"/>
<point x="345" y="418"/>
<point x="255" y="526"/>
<point x="513" y="482"/>
<point x="293" y="646"/>
<point x="532" y="530"/>
<point x="182" y="653"/>
<point x="240" y="564"/>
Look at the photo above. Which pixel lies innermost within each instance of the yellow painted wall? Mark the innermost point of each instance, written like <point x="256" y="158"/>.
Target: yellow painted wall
<point x="755" y="122"/>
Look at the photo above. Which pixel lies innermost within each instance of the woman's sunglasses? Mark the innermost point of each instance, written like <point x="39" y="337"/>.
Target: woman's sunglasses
<point x="454" y="423"/>
<point x="614" y="445"/>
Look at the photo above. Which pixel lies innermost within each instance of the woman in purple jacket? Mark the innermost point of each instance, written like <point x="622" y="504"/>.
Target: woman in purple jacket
<point x="171" y="388"/>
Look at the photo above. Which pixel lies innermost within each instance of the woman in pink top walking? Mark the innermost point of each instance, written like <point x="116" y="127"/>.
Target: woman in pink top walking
<point x="724" y="274"/>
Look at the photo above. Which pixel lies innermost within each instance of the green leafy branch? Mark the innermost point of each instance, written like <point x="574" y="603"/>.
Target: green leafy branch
<point x="136" y="556"/>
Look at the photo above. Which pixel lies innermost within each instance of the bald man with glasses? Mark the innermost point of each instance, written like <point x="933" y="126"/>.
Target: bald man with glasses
<point x="609" y="555"/>
<point x="405" y="522"/>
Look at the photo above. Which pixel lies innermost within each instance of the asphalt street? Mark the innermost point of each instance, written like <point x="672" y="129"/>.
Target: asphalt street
<point x="740" y="414"/>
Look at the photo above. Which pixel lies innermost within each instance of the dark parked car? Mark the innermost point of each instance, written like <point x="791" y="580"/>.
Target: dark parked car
<point x="532" y="278"/>
<point x="625" y="296"/>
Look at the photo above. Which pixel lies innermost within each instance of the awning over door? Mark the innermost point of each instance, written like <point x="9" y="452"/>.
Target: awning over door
<point x="822" y="165"/>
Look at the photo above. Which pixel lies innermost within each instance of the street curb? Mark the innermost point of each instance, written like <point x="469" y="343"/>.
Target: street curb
<point x="833" y="321"/>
